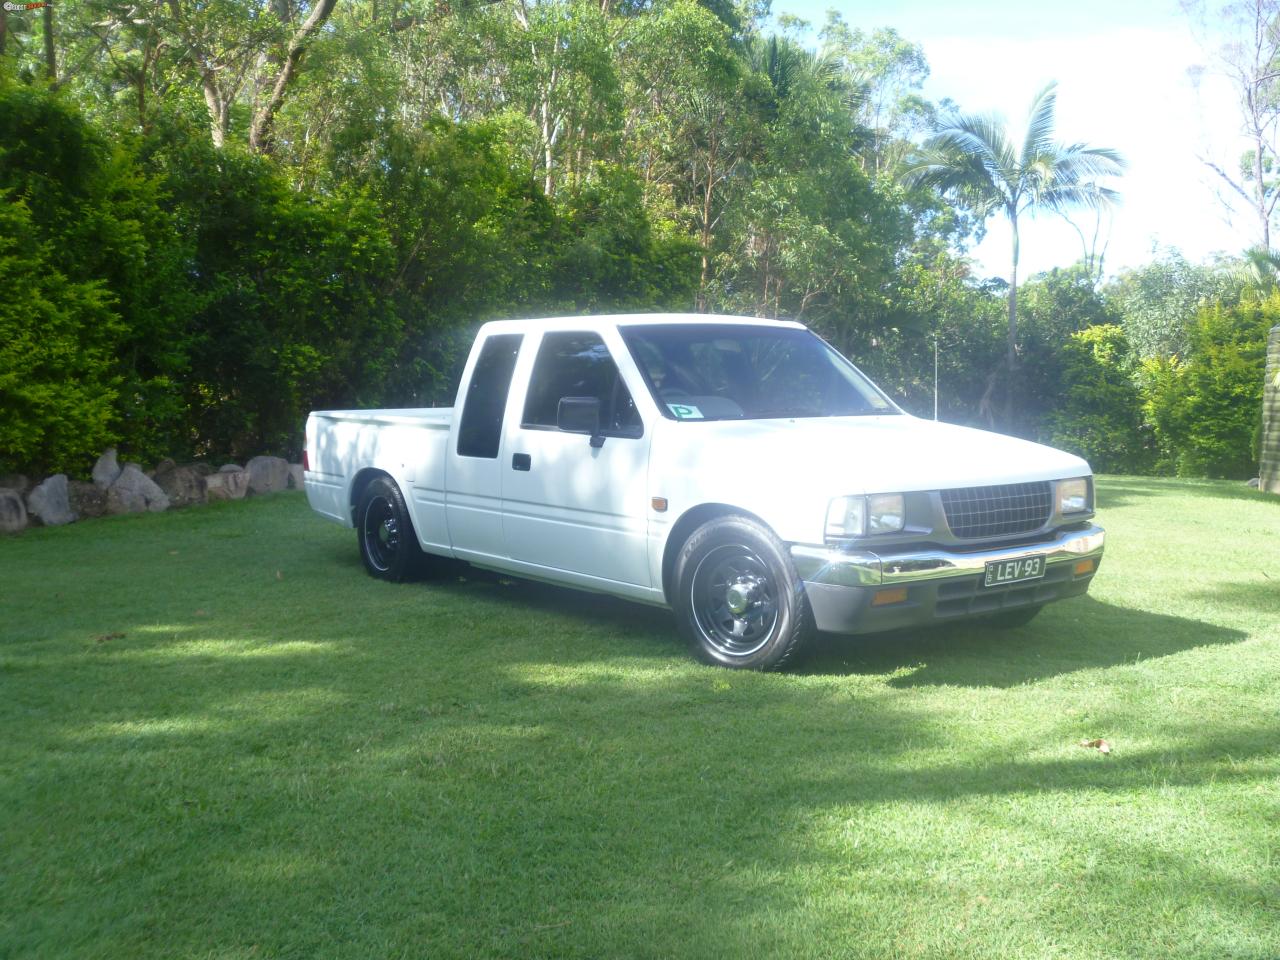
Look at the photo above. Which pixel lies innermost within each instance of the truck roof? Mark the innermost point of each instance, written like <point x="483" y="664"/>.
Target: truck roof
<point x="627" y="320"/>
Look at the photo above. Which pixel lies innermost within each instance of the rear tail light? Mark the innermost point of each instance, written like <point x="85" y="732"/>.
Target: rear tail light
<point x="306" y="460"/>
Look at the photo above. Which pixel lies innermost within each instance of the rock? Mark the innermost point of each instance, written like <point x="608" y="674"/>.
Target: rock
<point x="229" y="468"/>
<point x="15" y="481"/>
<point x="134" y="492"/>
<point x="227" y="484"/>
<point x="295" y="476"/>
<point x="13" y="513"/>
<point x="182" y="485"/>
<point x="164" y="466"/>
<point x="201" y="468"/>
<point x="49" y="502"/>
<point x="267" y="474"/>
<point x="1255" y="482"/>
<point x="87" y="499"/>
<point x="106" y="470"/>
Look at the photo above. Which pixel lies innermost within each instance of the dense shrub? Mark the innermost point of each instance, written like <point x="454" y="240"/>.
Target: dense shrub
<point x="1206" y="408"/>
<point x="1099" y="413"/>
<point x="58" y="340"/>
<point x="107" y="281"/>
<point x="288" y="305"/>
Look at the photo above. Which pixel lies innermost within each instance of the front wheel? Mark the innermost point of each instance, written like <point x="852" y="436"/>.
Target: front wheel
<point x="738" y="599"/>
<point x="388" y="544"/>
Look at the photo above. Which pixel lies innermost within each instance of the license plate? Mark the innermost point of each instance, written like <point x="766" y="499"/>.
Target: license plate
<point x="1000" y="572"/>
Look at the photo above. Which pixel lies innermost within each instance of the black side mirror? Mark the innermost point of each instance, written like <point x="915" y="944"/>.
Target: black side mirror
<point x="580" y="415"/>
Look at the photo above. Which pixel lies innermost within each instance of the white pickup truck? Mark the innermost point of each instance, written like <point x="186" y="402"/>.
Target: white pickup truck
<point x="739" y="471"/>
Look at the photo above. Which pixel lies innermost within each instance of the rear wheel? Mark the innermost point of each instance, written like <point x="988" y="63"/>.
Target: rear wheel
<point x="388" y="543"/>
<point x="738" y="599"/>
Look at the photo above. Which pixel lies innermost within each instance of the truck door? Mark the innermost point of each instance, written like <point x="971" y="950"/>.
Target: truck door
<point x="569" y="505"/>
<point x="473" y="502"/>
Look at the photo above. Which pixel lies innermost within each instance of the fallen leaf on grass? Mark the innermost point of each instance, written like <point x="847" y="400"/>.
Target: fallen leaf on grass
<point x="104" y="637"/>
<point x="279" y="575"/>
<point x="202" y="613"/>
<point x="1100" y="745"/>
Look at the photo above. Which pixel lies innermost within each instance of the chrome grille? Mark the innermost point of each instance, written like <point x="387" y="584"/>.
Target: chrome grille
<point x="1002" y="511"/>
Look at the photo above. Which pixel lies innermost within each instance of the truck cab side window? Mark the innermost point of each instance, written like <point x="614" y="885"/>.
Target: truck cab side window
<point x="480" y="430"/>
<point x="579" y="365"/>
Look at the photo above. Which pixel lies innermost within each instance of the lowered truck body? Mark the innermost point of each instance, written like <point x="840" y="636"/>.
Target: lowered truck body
<point x="737" y="470"/>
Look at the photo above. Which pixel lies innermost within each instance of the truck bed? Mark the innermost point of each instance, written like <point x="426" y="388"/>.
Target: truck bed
<point x="413" y="416"/>
<point x="409" y="444"/>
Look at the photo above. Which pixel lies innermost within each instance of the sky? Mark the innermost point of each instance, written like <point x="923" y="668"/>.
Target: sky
<point x="1123" y="82"/>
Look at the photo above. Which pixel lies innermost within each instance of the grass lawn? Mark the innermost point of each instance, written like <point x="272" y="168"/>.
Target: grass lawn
<point x="221" y="739"/>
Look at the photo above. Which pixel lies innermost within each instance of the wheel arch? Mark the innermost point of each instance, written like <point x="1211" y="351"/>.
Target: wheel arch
<point x="690" y="521"/>
<point x="359" y="483"/>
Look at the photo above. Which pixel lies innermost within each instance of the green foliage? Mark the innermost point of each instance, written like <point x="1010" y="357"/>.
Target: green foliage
<point x="1099" y="415"/>
<point x="1206" y="409"/>
<point x="610" y="257"/>
<point x="292" y="312"/>
<point x="58" y="338"/>
<point x="435" y="166"/>
<point x="1158" y="302"/>
<point x="99" y="223"/>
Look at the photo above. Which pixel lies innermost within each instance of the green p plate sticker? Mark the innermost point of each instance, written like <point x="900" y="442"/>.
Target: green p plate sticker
<point x="685" y="411"/>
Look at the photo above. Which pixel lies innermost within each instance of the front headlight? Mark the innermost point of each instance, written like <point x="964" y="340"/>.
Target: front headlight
<point x="885" y="513"/>
<point x="847" y="517"/>
<point x="862" y="516"/>
<point x="1073" y="496"/>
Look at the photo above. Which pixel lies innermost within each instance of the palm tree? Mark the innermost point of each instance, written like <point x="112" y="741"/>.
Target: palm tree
<point x="1258" y="271"/>
<point x="972" y="160"/>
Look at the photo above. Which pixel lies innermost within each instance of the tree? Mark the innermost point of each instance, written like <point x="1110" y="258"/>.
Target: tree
<point x="973" y="160"/>
<point x="886" y="73"/>
<point x="1251" y="61"/>
<point x="1157" y="302"/>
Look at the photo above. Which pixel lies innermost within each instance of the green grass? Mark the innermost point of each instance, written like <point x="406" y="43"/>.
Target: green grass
<point x="221" y="739"/>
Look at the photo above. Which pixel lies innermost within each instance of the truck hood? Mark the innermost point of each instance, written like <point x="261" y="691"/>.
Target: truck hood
<point x="837" y="456"/>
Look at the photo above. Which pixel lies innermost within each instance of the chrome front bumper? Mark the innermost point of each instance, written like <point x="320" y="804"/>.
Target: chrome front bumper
<point x="942" y="584"/>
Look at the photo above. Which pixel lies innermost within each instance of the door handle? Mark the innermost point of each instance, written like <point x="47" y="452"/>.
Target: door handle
<point x="521" y="461"/>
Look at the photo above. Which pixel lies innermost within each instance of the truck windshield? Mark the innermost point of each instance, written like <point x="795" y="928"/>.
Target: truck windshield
<point x="746" y="372"/>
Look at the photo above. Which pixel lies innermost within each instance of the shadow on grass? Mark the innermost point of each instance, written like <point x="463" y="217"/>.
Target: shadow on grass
<point x="1077" y="634"/>
<point x="1259" y="596"/>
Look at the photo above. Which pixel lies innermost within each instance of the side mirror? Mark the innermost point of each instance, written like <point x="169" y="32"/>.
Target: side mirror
<point x="580" y="415"/>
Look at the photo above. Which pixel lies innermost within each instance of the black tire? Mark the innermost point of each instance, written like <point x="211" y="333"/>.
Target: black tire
<point x="1009" y="619"/>
<point x="388" y="542"/>
<point x="738" y="600"/>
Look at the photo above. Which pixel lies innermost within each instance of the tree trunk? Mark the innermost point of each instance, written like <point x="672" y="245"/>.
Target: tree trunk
<point x="1013" y="327"/>
<point x="260" y="132"/>
<point x="219" y="109"/>
<point x="1260" y="191"/>
<point x="704" y="240"/>
<point x="50" y="58"/>
<point x="4" y="29"/>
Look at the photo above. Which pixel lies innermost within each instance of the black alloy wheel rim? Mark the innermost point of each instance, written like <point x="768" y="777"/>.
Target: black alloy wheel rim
<point x="381" y="532"/>
<point x="735" y="601"/>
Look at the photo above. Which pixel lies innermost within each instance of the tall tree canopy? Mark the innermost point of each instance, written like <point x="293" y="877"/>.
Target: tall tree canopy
<point x="973" y="159"/>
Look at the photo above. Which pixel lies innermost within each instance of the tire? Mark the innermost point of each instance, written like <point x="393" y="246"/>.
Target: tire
<point x="1009" y="619"/>
<point x="738" y="600"/>
<point x="388" y="543"/>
